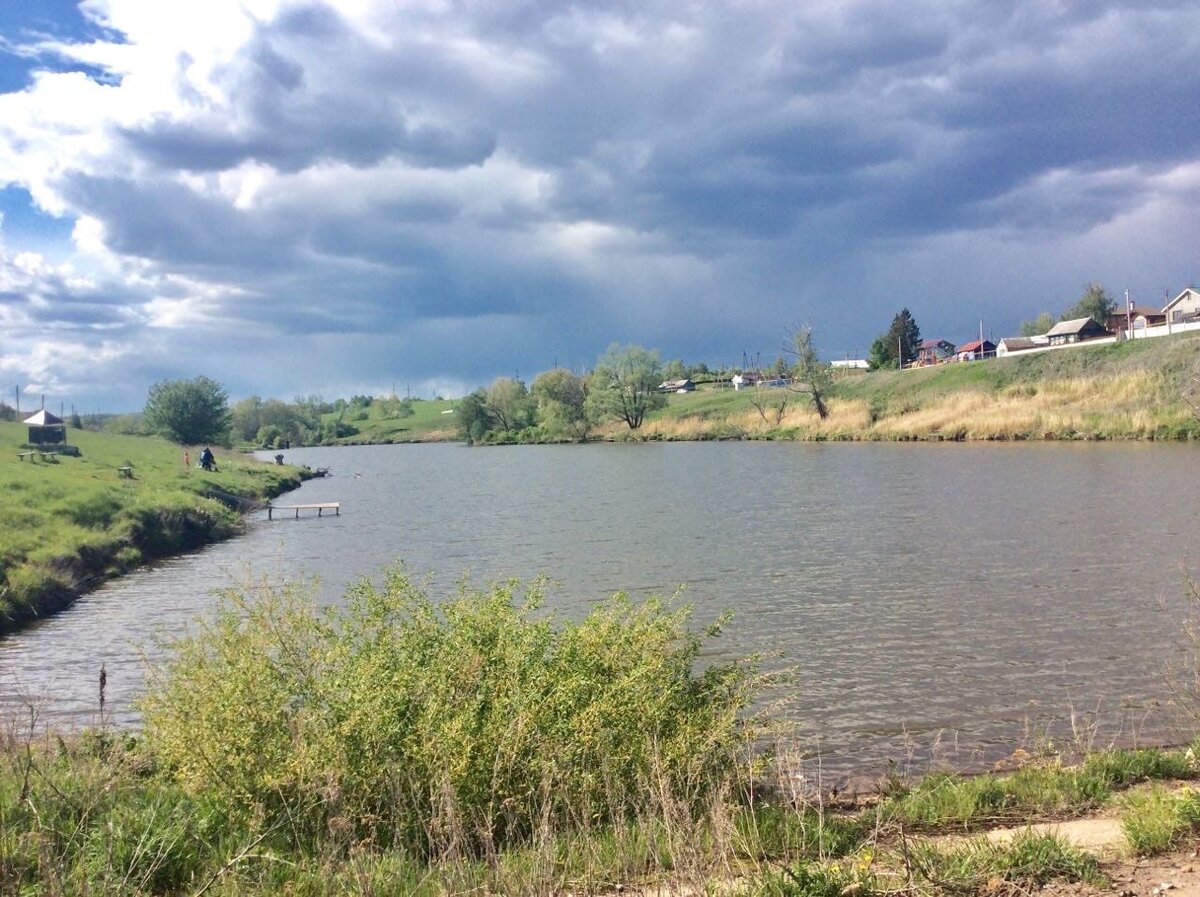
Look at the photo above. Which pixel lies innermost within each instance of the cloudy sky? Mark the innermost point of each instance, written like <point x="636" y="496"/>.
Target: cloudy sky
<point x="335" y="197"/>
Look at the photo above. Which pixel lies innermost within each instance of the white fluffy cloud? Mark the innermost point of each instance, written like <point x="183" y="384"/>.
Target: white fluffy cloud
<point x="438" y="192"/>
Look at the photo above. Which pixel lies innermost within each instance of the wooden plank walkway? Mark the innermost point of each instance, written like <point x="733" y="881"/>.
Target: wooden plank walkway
<point x="320" y="507"/>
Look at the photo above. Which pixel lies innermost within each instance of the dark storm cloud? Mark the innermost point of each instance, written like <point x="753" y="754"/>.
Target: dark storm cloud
<point x="472" y="188"/>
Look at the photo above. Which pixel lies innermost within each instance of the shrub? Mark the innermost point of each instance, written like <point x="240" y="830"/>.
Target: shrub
<point x="453" y="728"/>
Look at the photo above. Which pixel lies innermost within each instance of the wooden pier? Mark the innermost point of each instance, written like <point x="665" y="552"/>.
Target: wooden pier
<point x="320" y="507"/>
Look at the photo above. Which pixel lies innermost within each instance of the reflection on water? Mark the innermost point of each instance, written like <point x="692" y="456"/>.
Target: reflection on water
<point x="961" y="593"/>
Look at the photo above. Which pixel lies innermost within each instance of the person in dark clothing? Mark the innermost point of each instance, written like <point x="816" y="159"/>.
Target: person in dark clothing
<point x="207" y="461"/>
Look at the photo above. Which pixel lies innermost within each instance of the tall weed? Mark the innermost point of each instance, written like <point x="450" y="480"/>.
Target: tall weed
<point x="449" y="729"/>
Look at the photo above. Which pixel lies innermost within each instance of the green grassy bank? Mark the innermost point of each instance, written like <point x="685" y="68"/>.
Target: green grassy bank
<point x="476" y="745"/>
<point x="70" y="522"/>
<point x="375" y="425"/>
<point x="1130" y="390"/>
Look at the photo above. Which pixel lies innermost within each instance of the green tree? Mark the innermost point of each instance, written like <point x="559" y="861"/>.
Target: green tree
<point x="674" y="370"/>
<point x="561" y="398"/>
<point x="473" y="417"/>
<point x="1038" y="325"/>
<point x="882" y="354"/>
<point x="809" y="371"/>
<point x="244" y="419"/>
<point x="902" y="342"/>
<point x="624" y="385"/>
<point x="189" y="411"/>
<point x="509" y="404"/>
<point x="1095" y="303"/>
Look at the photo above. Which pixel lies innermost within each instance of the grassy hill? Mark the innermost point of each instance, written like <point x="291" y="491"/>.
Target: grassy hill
<point x="1132" y="390"/>
<point x="67" y="523"/>
<point x="373" y="424"/>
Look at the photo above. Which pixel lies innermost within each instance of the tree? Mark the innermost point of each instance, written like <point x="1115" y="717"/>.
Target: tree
<point x="473" y="417"/>
<point x="1095" y="303"/>
<point x="810" y="371"/>
<point x="509" y="404"/>
<point x="189" y="411"/>
<point x="624" y="385"/>
<point x="674" y="370"/>
<point x="902" y="342"/>
<point x="1038" y="325"/>
<point x="881" y="354"/>
<point x="561" y="398"/>
<point x="244" y="418"/>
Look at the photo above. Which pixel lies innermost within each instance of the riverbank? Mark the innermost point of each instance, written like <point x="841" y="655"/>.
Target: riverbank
<point x="68" y="523"/>
<point x="1131" y="390"/>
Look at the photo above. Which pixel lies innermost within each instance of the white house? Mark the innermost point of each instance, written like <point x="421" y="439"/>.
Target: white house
<point x="1183" y="308"/>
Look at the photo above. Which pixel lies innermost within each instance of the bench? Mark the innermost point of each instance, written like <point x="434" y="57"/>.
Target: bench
<point x="125" y="472"/>
<point x="34" y="454"/>
<point x="320" y="507"/>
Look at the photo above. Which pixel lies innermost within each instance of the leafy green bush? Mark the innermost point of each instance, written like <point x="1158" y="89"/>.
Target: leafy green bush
<point x="448" y="729"/>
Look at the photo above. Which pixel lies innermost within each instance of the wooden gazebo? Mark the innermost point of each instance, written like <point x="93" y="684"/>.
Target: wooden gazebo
<point x="46" y="429"/>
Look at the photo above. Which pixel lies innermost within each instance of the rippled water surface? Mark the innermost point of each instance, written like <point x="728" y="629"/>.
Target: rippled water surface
<point x="930" y="598"/>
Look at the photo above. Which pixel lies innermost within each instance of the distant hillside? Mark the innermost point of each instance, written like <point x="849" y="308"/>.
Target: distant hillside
<point x="432" y="420"/>
<point x="1131" y="390"/>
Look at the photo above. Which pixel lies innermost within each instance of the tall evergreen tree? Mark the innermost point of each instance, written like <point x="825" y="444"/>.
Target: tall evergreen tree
<point x="902" y="341"/>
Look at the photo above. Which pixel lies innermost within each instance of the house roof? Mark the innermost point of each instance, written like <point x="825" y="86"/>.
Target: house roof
<point x="974" y="345"/>
<point x="1144" y="310"/>
<point x="44" y="419"/>
<point x="1180" y="298"/>
<point x="1018" y="343"/>
<point x="1075" y="325"/>
<point x="935" y="343"/>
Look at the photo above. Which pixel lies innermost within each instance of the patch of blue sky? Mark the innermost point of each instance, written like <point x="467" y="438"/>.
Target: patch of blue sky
<point x="27" y="226"/>
<point x="25" y="23"/>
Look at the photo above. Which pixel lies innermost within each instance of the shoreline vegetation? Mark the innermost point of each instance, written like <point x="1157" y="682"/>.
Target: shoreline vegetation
<point x="476" y="744"/>
<point x="1133" y="390"/>
<point x="69" y="523"/>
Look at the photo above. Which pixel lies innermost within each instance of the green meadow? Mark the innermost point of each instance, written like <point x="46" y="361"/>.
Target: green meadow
<point x="376" y="424"/>
<point x="69" y="522"/>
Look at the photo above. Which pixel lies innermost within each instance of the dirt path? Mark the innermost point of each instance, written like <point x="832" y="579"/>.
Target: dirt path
<point x="1176" y="873"/>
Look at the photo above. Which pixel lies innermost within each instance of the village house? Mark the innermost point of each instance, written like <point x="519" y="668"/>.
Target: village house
<point x="935" y="351"/>
<point x="1075" y="331"/>
<point x="1184" y="308"/>
<point x="684" y="385"/>
<point x="1011" y="344"/>
<point x="1140" y="317"/>
<point x="976" y="349"/>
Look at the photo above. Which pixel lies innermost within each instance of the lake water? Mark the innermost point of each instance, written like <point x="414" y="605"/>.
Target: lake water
<point x="933" y="600"/>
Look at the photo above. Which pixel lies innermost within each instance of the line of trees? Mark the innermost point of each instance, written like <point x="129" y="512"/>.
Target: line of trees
<point x="197" y="411"/>
<point x="625" y="385"/>
<point x="564" y="406"/>
<point x="1095" y="303"/>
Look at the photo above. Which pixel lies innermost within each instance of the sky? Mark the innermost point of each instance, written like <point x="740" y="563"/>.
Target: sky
<point x="372" y="195"/>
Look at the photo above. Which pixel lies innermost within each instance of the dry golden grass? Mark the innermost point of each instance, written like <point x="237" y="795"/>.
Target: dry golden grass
<point x="1107" y="406"/>
<point x="1134" y="404"/>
